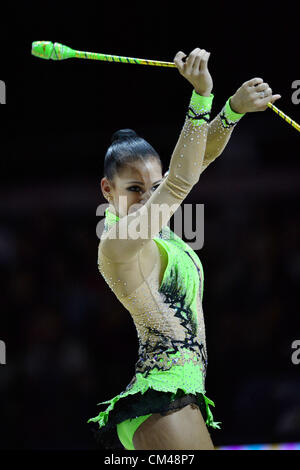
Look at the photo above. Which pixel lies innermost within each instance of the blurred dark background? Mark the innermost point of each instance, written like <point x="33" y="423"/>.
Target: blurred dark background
<point x="69" y="343"/>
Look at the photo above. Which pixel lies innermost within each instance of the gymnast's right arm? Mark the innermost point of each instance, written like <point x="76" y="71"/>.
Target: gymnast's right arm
<point x="124" y="240"/>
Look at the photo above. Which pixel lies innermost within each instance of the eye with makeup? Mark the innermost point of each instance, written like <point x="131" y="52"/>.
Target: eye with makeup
<point x="138" y="189"/>
<point x="135" y="189"/>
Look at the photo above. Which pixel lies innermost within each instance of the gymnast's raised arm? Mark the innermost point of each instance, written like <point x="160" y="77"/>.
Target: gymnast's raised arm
<point x="253" y="95"/>
<point x="185" y="167"/>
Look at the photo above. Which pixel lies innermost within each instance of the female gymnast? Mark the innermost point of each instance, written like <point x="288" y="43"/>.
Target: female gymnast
<point x="157" y="276"/>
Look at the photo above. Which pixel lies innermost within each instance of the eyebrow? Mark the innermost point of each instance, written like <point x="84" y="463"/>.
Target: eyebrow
<point x="139" y="182"/>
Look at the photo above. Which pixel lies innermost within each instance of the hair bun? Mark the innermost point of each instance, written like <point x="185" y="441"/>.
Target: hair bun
<point x="123" y="134"/>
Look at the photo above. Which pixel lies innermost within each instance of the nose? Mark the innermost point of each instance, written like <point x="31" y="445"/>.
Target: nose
<point x="145" y="197"/>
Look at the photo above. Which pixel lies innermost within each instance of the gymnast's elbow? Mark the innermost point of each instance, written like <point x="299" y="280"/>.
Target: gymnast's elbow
<point x="179" y="187"/>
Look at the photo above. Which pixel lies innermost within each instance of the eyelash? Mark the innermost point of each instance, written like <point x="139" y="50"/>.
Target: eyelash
<point x="139" y="189"/>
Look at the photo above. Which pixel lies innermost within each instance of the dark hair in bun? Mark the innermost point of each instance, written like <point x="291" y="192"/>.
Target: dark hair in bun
<point x="123" y="134"/>
<point x="126" y="146"/>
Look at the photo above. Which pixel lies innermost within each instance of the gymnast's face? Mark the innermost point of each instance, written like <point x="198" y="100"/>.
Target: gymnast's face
<point x="132" y="184"/>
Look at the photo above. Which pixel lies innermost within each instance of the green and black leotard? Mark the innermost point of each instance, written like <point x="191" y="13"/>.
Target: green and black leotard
<point x="159" y="280"/>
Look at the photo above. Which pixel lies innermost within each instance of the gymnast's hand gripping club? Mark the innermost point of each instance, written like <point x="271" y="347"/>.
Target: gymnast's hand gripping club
<point x="57" y="51"/>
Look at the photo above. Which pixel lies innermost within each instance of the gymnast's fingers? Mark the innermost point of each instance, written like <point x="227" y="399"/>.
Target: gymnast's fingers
<point x="178" y="60"/>
<point x="274" y="98"/>
<point x="200" y="56"/>
<point x="261" y="87"/>
<point x="196" y="64"/>
<point x="204" y="60"/>
<point x="191" y="59"/>
<point x="254" y="81"/>
<point x="263" y="103"/>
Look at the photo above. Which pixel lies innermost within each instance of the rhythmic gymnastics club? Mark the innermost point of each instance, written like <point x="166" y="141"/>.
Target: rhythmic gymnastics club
<point x="57" y="51"/>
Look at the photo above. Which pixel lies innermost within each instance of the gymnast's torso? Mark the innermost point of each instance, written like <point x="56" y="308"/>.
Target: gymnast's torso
<point x="162" y="289"/>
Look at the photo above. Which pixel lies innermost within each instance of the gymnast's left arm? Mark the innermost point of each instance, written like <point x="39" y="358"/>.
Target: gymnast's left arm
<point x="253" y="95"/>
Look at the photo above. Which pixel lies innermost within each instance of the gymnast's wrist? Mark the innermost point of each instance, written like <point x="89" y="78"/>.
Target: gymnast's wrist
<point x="199" y="108"/>
<point x="233" y="106"/>
<point x="229" y="117"/>
<point x="201" y="93"/>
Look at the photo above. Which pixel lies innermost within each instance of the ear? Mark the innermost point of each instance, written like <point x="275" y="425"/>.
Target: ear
<point x="106" y="188"/>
